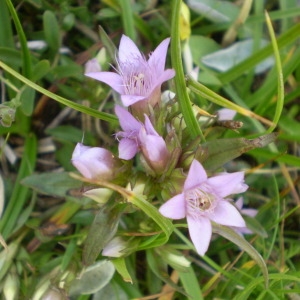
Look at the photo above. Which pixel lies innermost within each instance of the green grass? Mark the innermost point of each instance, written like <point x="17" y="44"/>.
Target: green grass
<point x="51" y="234"/>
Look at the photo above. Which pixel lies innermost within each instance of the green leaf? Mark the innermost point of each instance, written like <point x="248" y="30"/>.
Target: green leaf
<point x="191" y="284"/>
<point x="210" y="95"/>
<point x="127" y="18"/>
<point x="101" y="232"/>
<point x="216" y="153"/>
<point x="121" y="268"/>
<point x="181" y="90"/>
<point x="139" y="201"/>
<point x="215" y="10"/>
<point x="6" y="258"/>
<point x="51" y="30"/>
<point x="234" y="237"/>
<point x="93" y="279"/>
<point x="65" y="71"/>
<point x="255" y="226"/>
<point x="54" y="184"/>
<point x="159" y="267"/>
<point x="27" y="66"/>
<point x="152" y="212"/>
<point x="274" y="277"/>
<point x="20" y="193"/>
<point x="40" y="69"/>
<point x="108" y="43"/>
<point x="280" y="83"/>
<point x="89" y="111"/>
<point x="286" y="38"/>
<point x="27" y="96"/>
<point x="10" y="56"/>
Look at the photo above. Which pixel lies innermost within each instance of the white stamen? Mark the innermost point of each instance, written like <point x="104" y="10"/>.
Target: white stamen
<point x="199" y="202"/>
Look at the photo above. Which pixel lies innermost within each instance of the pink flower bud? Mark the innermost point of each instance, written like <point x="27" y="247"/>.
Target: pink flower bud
<point x="93" y="162"/>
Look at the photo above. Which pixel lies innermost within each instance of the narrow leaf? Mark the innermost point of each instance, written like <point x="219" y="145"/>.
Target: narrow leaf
<point x="100" y="233"/>
<point x="159" y="267"/>
<point x="89" y="111"/>
<point x="280" y="83"/>
<point x="214" y="154"/>
<point x="234" y="237"/>
<point x="121" y="268"/>
<point x="181" y="91"/>
<point x="58" y="184"/>
<point x="138" y="200"/>
<point x="108" y="43"/>
<point x="210" y="95"/>
<point x="51" y="30"/>
<point x="191" y="284"/>
<point x="93" y="279"/>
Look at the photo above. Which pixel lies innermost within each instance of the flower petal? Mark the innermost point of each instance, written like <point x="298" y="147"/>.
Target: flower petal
<point x="228" y="183"/>
<point x="127" y="149"/>
<point x="174" y="208"/>
<point x="239" y="203"/>
<point x="92" y="66"/>
<point x="251" y="212"/>
<point x="226" y="214"/>
<point x="196" y="176"/>
<point x="164" y="76"/>
<point x="128" y="51"/>
<point x="128" y="100"/>
<point x="79" y="149"/>
<point x="127" y="121"/>
<point x="149" y="127"/>
<point x="225" y="114"/>
<point x="153" y="147"/>
<point x="93" y="162"/>
<point x="157" y="60"/>
<point x="200" y="230"/>
<point x="114" y="80"/>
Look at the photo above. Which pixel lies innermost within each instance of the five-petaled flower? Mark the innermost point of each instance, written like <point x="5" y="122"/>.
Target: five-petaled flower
<point x="202" y="201"/>
<point x="137" y="79"/>
<point x="137" y="136"/>
<point x="94" y="162"/>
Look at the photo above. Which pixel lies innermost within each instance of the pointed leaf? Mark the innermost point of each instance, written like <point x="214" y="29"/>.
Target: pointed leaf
<point x="159" y="267"/>
<point x="27" y="100"/>
<point x="255" y="226"/>
<point x="58" y="184"/>
<point x="51" y="30"/>
<point x="108" y="43"/>
<point x="190" y="283"/>
<point x="139" y="201"/>
<point x="93" y="279"/>
<point x="234" y="237"/>
<point x="121" y="268"/>
<point x="100" y="233"/>
<point x="216" y="153"/>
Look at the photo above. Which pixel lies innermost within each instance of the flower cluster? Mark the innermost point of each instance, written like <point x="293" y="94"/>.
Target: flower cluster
<point x="144" y="133"/>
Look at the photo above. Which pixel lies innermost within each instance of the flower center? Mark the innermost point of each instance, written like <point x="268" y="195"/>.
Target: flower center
<point x="138" y="76"/>
<point x="199" y="201"/>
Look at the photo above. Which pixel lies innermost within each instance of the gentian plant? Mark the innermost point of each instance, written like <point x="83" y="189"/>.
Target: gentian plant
<point x="168" y="170"/>
<point x="149" y="183"/>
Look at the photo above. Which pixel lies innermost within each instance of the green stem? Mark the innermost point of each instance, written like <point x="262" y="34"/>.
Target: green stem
<point x="86" y="110"/>
<point x="181" y="90"/>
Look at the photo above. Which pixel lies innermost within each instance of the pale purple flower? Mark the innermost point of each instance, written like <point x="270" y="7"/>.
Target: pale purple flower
<point x="92" y="65"/>
<point x="128" y="138"/>
<point x="93" y="162"/>
<point x="137" y="136"/>
<point x="115" y="247"/>
<point x="251" y="212"/>
<point x="225" y="114"/>
<point x="137" y="79"/>
<point x="202" y="201"/>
